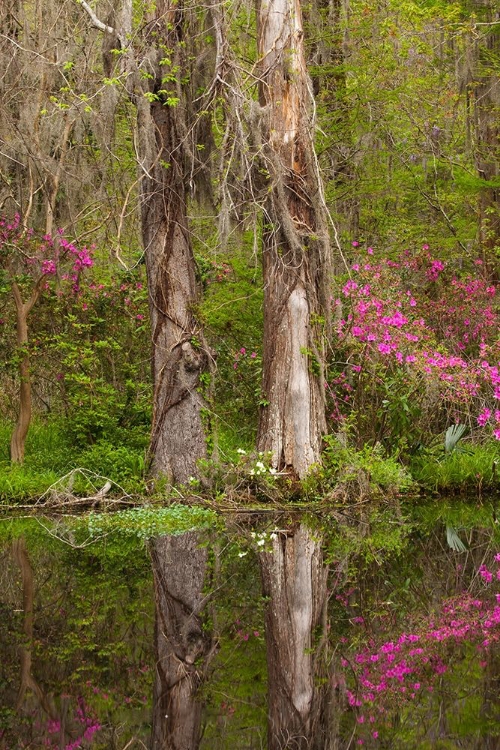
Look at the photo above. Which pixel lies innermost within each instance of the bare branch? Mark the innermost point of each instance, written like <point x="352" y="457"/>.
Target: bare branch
<point x="97" y="23"/>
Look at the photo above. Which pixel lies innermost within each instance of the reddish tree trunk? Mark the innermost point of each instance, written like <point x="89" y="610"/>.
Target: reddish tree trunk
<point x="296" y="249"/>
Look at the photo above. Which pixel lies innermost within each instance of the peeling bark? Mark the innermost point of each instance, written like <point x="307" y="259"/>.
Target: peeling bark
<point x="295" y="582"/>
<point x="183" y="647"/>
<point x="296" y="248"/>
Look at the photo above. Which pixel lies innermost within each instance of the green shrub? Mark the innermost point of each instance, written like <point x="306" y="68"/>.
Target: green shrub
<point x="469" y="469"/>
<point x="120" y="464"/>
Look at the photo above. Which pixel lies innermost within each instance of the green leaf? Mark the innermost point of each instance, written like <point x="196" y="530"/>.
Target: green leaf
<point x="452" y="436"/>
<point x="454" y="541"/>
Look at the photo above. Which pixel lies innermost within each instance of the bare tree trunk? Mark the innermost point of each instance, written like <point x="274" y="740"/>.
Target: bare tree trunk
<point x="328" y="55"/>
<point x="295" y="582"/>
<point x="183" y="647"/>
<point x="179" y="354"/>
<point x="156" y="85"/>
<point x="487" y="129"/>
<point x="20" y="432"/>
<point x="177" y="440"/>
<point x="296" y="248"/>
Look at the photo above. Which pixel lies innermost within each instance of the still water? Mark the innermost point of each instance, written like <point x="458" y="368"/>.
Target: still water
<point x="361" y="626"/>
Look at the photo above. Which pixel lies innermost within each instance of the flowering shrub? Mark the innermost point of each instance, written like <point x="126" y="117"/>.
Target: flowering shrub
<point x="416" y="349"/>
<point x="27" y="264"/>
<point x="26" y="256"/>
<point x="85" y="727"/>
<point x="86" y="355"/>
<point x="398" y="677"/>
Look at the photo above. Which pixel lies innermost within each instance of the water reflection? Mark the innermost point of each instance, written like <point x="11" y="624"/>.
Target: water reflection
<point x="363" y="627"/>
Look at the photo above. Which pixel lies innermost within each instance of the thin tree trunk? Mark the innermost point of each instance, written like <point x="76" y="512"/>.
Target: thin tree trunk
<point x="330" y="90"/>
<point x="20" y="432"/>
<point x="487" y="129"/>
<point x="295" y="583"/>
<point x="183" y="647"/>
<point x="27" y="681"/>
<point x="296" y="249"/>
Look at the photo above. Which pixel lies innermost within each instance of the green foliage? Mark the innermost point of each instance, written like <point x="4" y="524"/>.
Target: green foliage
<point x="93" y="620"/>
<point x="122" y="464"/>
<point x="231" y="311"/>
<point x="22" y="483"/>
<point x="369" y="471"/>
<point x="368" y="535"/>
<point x="470" y="470"/>
<point x="146" y="522"/>
<point x="453" y="435"/>
<point x="51" y="454"/>
<point x="235" y="695"/>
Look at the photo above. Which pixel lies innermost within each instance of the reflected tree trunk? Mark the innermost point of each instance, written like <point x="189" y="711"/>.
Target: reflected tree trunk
<point x="183" y="646"/>
<point x="28" y="683"/>
<point x="294" y="581"/>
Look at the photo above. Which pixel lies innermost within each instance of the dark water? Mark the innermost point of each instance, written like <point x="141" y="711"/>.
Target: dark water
<point x="403" y="648"/>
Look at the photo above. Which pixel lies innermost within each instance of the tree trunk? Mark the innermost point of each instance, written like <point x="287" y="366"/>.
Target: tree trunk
<point x="487" y="128"/>
<point x="183" y="647"/>
<point x="328" y="30"/>
<point x="296" y="249"/>
<point x="20" y="432"/>
<point x="179" y="355"/>
<point x="28" y="682"/>
<point x="295" y="582"/>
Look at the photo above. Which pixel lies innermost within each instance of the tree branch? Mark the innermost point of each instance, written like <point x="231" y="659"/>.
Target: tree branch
<point x="97" y="23"/>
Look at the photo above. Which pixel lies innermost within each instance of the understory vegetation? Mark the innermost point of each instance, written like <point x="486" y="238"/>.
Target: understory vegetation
<point x="407" y="148"/>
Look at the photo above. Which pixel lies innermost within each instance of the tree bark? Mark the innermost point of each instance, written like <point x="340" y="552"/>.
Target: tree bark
<point x="325" y="19"/>
<point x="183" y="647"/>
<point x="179" y="355"/>
<point x="295" y="582"/>
<point x="487" y="129"/>
<point x="20" y="432"/>
<point x="296" y="248"/>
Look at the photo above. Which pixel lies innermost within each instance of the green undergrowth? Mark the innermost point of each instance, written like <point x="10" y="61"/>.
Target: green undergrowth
<point x="54" y="462"/>
<point x="51" y="459"/>
<point x="148" y="521"/>
<point x="469" y="469"/>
